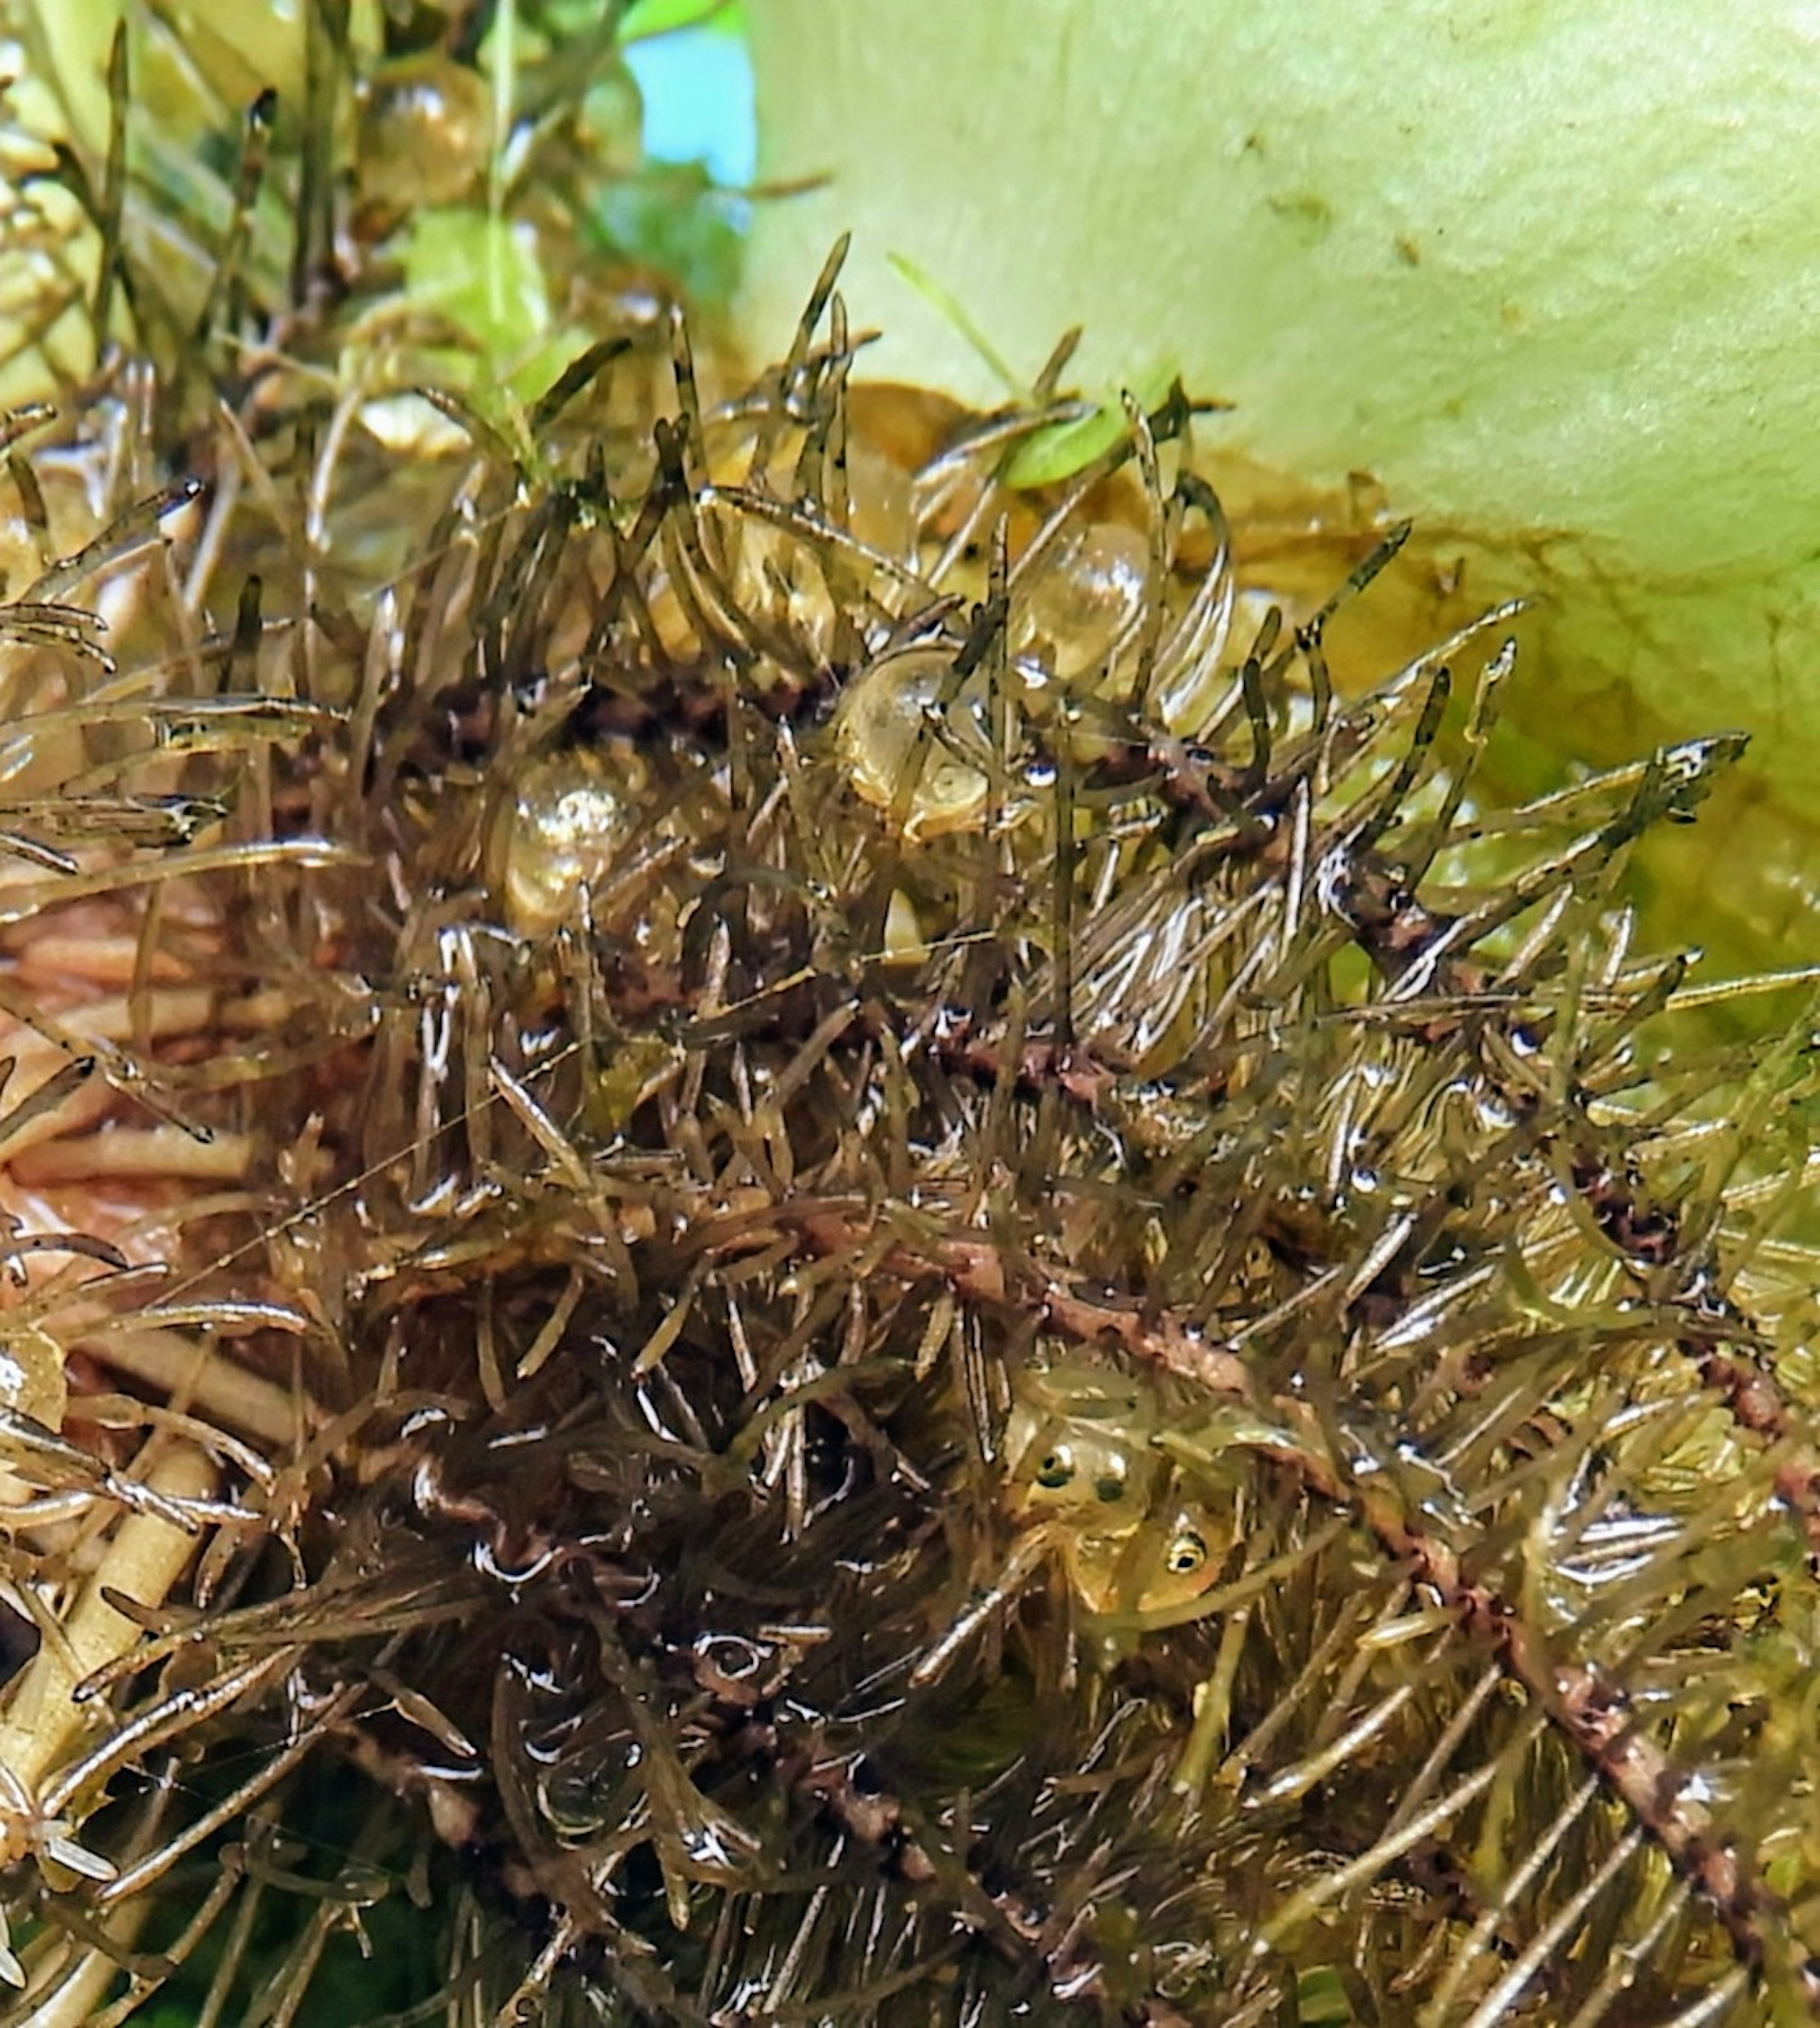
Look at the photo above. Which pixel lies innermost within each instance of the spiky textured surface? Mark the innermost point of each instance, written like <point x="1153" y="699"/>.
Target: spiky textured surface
<point x="631" y="1255"/>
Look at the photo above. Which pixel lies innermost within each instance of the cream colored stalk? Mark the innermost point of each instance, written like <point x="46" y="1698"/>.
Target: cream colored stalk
<point x="143" y="1559"/>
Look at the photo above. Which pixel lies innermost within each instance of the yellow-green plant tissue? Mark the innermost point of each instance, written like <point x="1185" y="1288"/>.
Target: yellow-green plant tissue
<point x="1547" y="272"/>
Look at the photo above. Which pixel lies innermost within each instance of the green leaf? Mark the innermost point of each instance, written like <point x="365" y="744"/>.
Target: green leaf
<point x="671" y="218"/>
<point x="480" y="273"/>
<point x="645" y="18"/>
<point x="1058" y="450"/>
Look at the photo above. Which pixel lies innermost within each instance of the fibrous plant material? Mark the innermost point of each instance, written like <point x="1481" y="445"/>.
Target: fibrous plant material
<point x="798" y="1239"/>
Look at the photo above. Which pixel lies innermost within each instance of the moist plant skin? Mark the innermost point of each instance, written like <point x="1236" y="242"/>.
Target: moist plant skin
<point x="805" y="1234"/>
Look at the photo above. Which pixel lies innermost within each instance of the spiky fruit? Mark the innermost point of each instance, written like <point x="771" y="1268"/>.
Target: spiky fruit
<point x="935" y="1285"/>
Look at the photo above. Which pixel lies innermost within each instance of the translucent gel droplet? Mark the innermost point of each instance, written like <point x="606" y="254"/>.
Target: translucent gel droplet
<point x="425" y="128"/>
<point x="888" y="733"/>
<point x="570" y="817"/>
<point x="1086" y="596"/>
